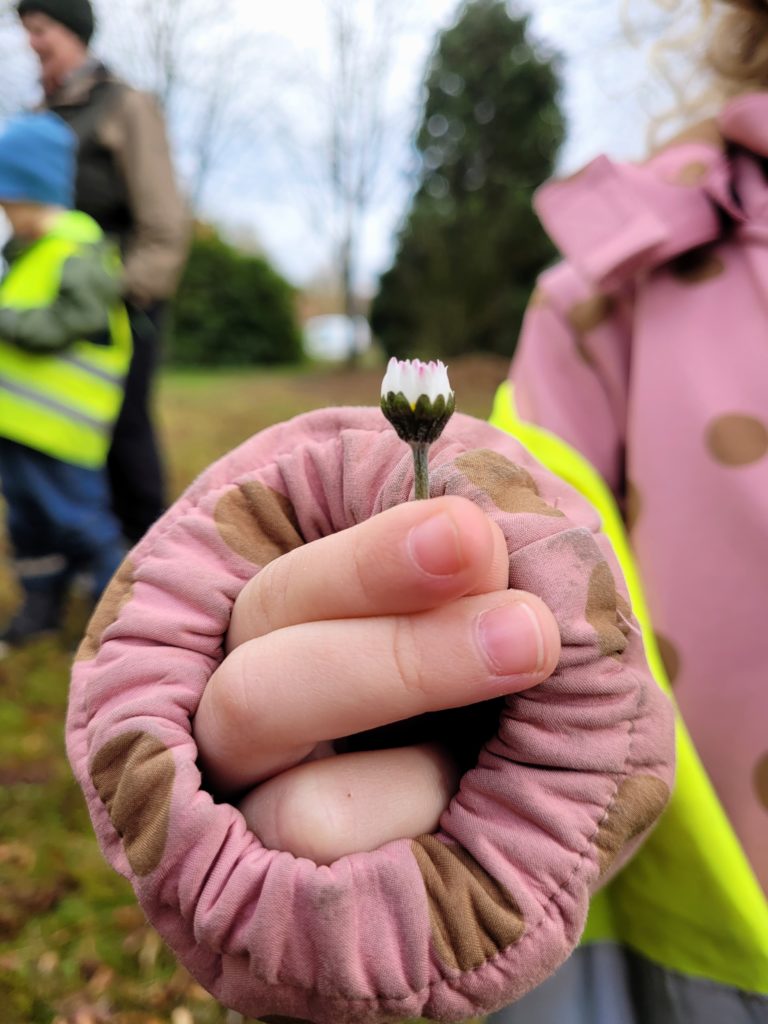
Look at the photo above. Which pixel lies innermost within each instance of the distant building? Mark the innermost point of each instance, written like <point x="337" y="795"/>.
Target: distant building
<point x="335" y="337"/>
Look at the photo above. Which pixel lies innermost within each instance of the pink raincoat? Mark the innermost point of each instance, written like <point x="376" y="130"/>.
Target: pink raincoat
<point x="647" y="350"/>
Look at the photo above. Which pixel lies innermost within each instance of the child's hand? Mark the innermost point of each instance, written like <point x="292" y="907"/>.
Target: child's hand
<point x="403" y="614"/>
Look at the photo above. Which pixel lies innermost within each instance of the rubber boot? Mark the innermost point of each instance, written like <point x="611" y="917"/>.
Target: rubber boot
<point x="39" y="616"/>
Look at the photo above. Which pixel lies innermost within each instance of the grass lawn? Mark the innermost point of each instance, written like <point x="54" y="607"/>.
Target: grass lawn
<point x="74" y="947"/>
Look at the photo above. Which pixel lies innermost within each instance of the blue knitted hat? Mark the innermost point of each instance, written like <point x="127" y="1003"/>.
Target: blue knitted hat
<point x="37" y="160"/>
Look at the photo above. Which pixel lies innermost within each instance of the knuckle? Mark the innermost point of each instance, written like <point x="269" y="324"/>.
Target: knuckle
<point x="359" y="565"/>
<point x="268" y="600"/>
<point x="230" y="701"/>
<point x="408" y="660"/>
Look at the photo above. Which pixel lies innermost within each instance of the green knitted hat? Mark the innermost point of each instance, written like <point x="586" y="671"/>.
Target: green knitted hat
<point x="76" y="15"/>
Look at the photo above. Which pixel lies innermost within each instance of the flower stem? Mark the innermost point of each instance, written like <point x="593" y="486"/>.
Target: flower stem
<point x="420" y="451"/>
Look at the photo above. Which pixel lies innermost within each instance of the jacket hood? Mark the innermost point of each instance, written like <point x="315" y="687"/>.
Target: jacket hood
<point x="612" y="221"/>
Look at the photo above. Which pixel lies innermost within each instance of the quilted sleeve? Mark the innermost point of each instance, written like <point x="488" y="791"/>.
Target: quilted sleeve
<point x="570" y="371"/>
<point x="445" y="926"/>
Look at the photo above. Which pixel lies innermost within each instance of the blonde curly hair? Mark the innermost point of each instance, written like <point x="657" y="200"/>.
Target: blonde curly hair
<point x="738" y="46"/>
<point x="708" y="51"/>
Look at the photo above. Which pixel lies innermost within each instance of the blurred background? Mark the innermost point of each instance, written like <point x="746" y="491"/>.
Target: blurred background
<point x="360" y="173"/>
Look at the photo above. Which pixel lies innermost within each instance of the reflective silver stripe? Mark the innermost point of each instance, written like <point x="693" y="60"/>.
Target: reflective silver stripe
<point x="95" y="371"/>
<point x="33" y="568"/>
<point x="54" y="406"/>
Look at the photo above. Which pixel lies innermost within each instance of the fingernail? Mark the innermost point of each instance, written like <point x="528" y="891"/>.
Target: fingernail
<point x="512" y="639"/>
<point x="434" y="546"/>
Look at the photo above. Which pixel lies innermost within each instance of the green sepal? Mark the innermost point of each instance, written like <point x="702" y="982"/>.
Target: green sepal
<point x="422" y="424"/>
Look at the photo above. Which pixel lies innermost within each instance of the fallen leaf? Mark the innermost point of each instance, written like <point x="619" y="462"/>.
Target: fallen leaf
<point x="48" y="962"/>
<point x="181" y="1015"/>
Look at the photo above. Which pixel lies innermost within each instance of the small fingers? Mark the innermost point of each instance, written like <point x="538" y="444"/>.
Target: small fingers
<point x="327" y="809"/>
<point x="274" y="698"/>
<point x="411" y="557"/>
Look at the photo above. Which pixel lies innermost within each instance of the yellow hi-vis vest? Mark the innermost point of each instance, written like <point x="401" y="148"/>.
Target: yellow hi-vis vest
<point x="65" y="403"/>
<point x="689" y="899"/>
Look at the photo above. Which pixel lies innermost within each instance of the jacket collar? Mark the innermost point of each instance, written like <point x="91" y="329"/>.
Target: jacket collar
<point x="612" y="221"/>
<point x="76" y="90"/>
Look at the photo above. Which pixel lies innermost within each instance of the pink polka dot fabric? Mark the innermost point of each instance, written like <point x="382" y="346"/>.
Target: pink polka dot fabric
<point x="646" y="351"/>
<point x="447" y="925"/>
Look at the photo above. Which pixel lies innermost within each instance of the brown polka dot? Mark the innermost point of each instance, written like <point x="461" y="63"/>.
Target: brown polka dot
<point x="632" y="506"/>
<point x="510" y="487"/>
<point x="582" y="351"/>
<point x="696" y="266"/>
<point x="601" y="612"/>
<point x="707" y="132"/>
<point x="590" y="313"/>
<point x="538" y="298"/>
<point x="113" y="600"/>
<point x="736" y="440"/>
<point x="638" y="803"/>
<point x="691" y="174"/>
<point x="584" y="317"/>
<point x="257" y="523"/>
<point x="761" y="780"/>
<point x="623" y="614"/>
<point x="670" y="658"/>
<point x="473" y="918"/>
<point x="133" y="775"/>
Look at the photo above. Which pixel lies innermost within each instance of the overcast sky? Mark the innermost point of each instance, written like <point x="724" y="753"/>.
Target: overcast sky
<point x="608" y="100"/>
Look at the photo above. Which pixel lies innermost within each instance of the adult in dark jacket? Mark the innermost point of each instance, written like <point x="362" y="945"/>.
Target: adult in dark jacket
<point x="126" y="183"/>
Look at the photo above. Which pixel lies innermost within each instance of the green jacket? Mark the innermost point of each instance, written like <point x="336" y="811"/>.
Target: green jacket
<point x="65" y="343"/>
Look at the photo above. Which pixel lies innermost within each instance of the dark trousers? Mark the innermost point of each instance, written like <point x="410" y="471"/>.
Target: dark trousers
<point x="59" y="521"/>
<point x="135" y="468"/>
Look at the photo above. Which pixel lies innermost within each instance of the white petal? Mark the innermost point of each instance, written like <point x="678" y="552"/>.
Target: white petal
<point x="392" y="378"/>
<point x="413" y="378"/>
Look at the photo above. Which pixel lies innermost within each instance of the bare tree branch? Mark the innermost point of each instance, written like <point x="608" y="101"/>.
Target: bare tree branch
<point x="194" y="57"/>
<point x="335" y="151"/>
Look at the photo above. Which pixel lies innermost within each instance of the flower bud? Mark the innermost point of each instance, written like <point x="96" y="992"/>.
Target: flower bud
<point x="417" y="399"/>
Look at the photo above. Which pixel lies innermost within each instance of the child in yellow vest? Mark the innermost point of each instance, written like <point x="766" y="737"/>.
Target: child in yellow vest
<point x="64" y="352"/>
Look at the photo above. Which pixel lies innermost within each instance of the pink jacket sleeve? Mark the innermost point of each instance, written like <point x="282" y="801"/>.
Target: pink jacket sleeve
<point x="448" y="925"/>
<point x="570" y="372"/>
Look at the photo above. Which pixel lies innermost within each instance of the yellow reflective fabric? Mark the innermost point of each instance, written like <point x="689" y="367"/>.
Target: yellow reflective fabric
<point x="689" y="899"/>
<point x="45" y="425"/>
<point x="58" y="380"/>
<point x="63" y="404"/>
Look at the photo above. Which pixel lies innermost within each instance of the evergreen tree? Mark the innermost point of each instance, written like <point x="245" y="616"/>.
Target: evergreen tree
<point x="232" y="309"/>
<point x="471" y="246"/>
